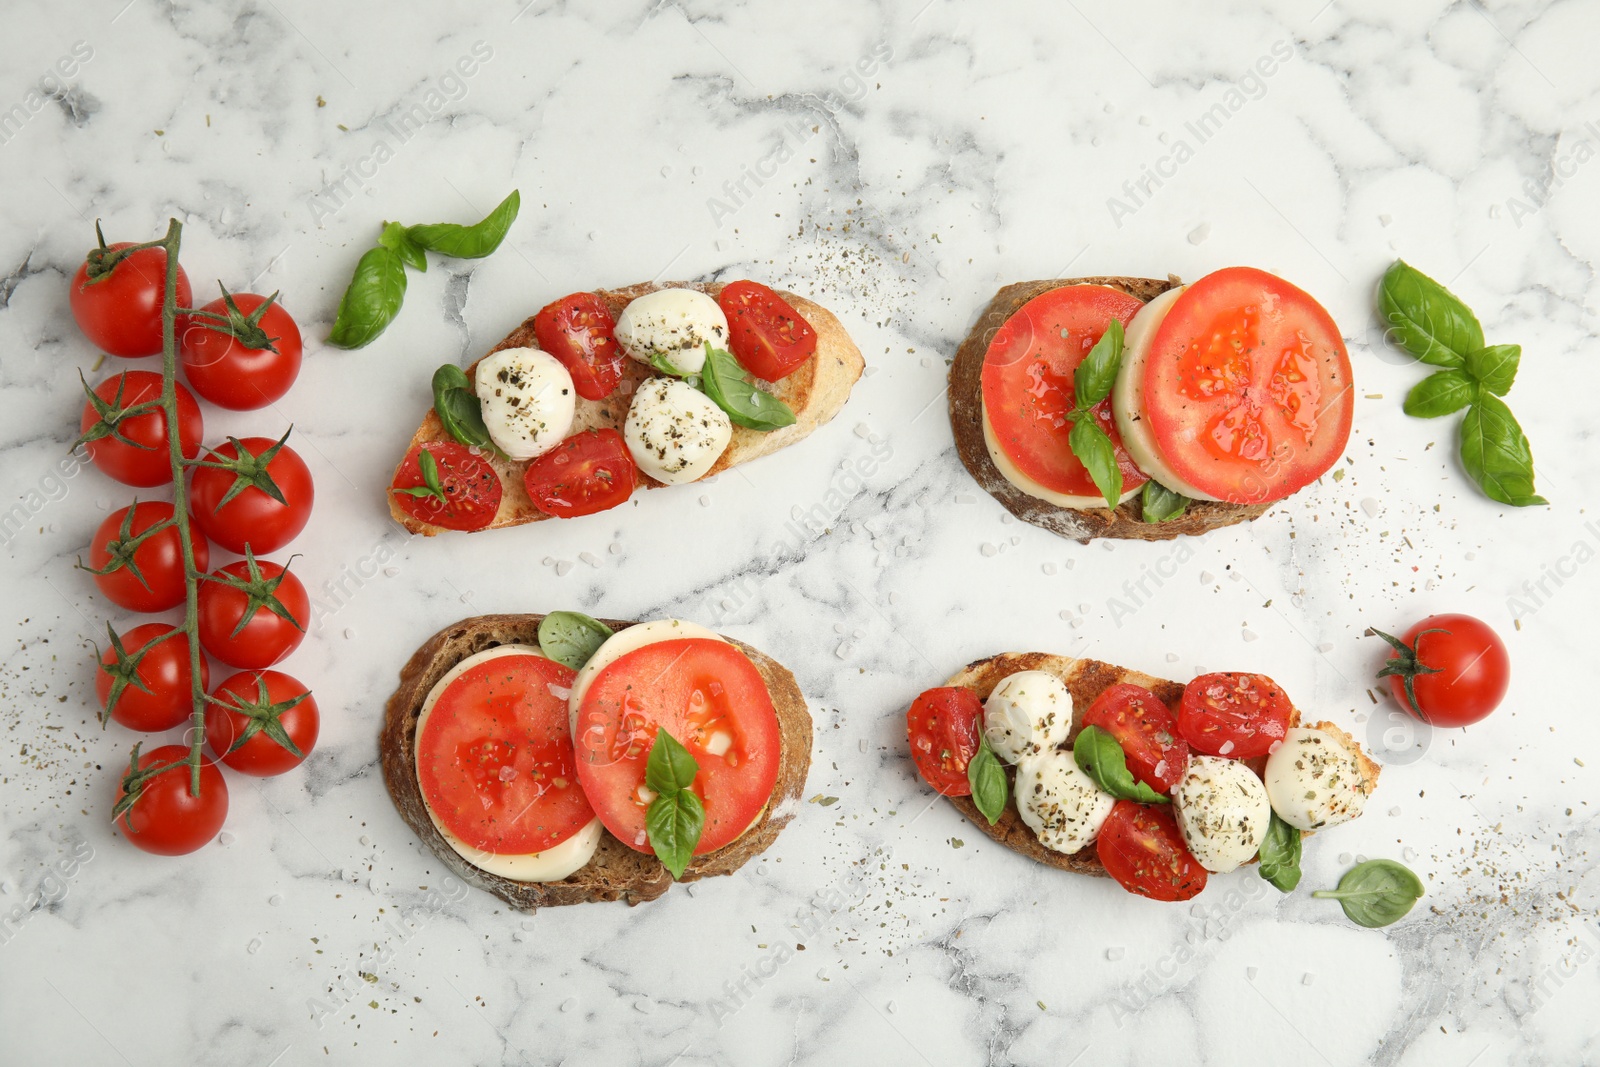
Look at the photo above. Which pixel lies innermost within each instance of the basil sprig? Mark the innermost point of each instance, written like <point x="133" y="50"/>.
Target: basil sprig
<point x="1375" y="893"/>
<point x="676" y="816"/>
<point x="459" y="409"/>
<point x="431" y="485"/>
<point x="723" y="380"/>
<point x="1160" y="504"/>
<point x="988" y="781"/>
<point x="1280" y="855"/>
<point x="1102" y="759"/>
<point x="571" y="637"/>
<point x="1432" y="323"/>
<point x="1092" y="383"/>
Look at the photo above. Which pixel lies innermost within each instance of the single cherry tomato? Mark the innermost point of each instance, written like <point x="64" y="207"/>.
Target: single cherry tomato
<point x="1147" y="732"/>
<point x="586" y="473"/>
<point x="580" y="332"/>
<point x="158" y="663"/>
<point x="1457" y="666"/>
<point x="942" y="727"/>
<point x="252" y="613"/>
<point x="121" y="311"/>
<point x="165" y="819"/>
<point x="133" y="449"/>
<point x="249" y="368"/>
<point x="252" y="517"/>
<point x="467" y="493"/>
<point x="148" y="574"/>
<point x="1240" y="716"/>
<point x="767" y="336"/>
<point x="259" y="711"/>
<point x="1141" y="846"/>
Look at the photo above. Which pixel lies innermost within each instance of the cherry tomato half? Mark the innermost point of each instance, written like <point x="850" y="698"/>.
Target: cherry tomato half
<point x="580" y="332"/>
<point x="1240" y="716"/>
<point x="1147" y="732"/>
<point x="228" y="372"/>
<point x="136" y="452"/>
<point x="469" y="489"/>
<point x="1141" y="846"/>
<point x="586" y="473"/>
<point x="942" y="728"/>
<point x="768" y="337"/>
<point x="121" y="312"/>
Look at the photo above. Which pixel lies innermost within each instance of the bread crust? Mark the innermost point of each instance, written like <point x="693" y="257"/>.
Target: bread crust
<point x="815" y="392"/>
<point x="1080" y="524"/>
<point x="616" y="872"/>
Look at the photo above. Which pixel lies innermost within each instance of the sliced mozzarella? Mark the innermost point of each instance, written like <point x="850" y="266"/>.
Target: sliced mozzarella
<point x="674" y="431"/>
<point x="673" y="325"/>
<point x="555" y="862"/>
<point x="1127" y="397"/>
<point x="528" y="400"/>
<point x="1013" y="474"/>
<point x="1060" y="803"/>
<point x="620" y="644"/>
<point x="1314" y="781"/>
<point x="1027" y="713"/>
<point x="1222" y="810"/>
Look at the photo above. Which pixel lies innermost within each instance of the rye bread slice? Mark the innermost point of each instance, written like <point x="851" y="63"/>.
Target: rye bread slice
<point x="815" y="392"/>
<point x="616" y="872"/>
<point x="1080" y="524"/>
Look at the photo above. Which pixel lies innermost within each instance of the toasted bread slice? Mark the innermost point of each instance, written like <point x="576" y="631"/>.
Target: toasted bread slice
<point x="616" y="872"/>
<point x="815" y="392"/>
<point x="1085" y="679"/>
<point x="1080" y="524"/>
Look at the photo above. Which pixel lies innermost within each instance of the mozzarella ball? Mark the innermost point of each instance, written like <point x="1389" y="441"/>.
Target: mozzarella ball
<point x="1027" y="713"/>
<point x="1222" y="810"/>
<point x="674" y="431"/>
<point x="1060" y="804"/>
<point x="527" y="400"/>
<point x="673" y="324"/>
<point x="1314" y="781"/>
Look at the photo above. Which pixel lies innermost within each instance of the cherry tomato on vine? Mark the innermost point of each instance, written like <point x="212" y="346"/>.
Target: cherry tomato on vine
<point x="1457" y="666"/>
<point x="249" y="368"/>
<point x="252" y="516"/>
<point x="134" y="449"/>
<point x="142" y="571"/>
<point x="158" y="663"/>
<point x="263" y="710"/>
<point x="162" y="817"/>
<point x="252" y="613"/>
<point x="121" y="311"/>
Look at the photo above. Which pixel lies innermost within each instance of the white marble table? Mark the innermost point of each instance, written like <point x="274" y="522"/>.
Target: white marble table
<point x="897" y="162"/>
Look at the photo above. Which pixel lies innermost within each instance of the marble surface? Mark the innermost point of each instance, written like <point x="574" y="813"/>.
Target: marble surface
<point x="896" y="161"/>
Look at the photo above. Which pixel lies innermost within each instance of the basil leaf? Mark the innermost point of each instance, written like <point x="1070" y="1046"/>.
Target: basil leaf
<point x="1101" y="758"/>
<point x="1443" y="392"/>
<point x="660" y="362"/>
<point x="571" y="637"/>
<point x="1495" y="367"/>
<point x="1428" y="320"/>
<point x="724" y="382"/>
<point x="1099" y="457"/>
<point x="372" y="300"/>
<point x="1496" y="453"/>
<point x="1280" y="855"/>
<point x="676" y="817"/>
<point x="988" y="781"/>
<point x="1095" y="376"/>
<point x="1375" y="893"/>
<point x="1160" y="504"/>
<point x="394" y="237"/>
<point x="469" y="242"/>
<point x="459" y="411"/>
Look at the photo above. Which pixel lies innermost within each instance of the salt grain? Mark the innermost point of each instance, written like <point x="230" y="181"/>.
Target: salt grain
<point x="705" y="501"/>
<point x="615" y="548"/>
<point x="1370" y="505"/>
<point x="1200" y="233"/>
<point x="862" y="744"/>
<point x="1116" y="952"/>
<point x="1248" y="635"/>
<point x="569" y="1003"/>
<point x="1250" y="974"/>
<point x="390" y="572"/>
<point x="1048" y="568"/>
<point x="1206" y="577"/>
<point x="1172" y="657"/>
<point x="987" y="549"/>
<point x="254" y="946"/>
<point x="590" y="558"/>
<point x="349" y="634"/>
<point x="562" y="567"/>
<point x="1307" y="978"/>
<point x="366" y="842"/>
<point x="225" y="838"/>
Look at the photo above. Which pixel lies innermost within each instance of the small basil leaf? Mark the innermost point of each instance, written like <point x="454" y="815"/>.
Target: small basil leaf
<point x="1280" y="855"/>
<point x="459" y="410"/>
<point x="1427" y="320"/>
<point x="1495" y="367"/>
<point x="1443" y="392"/>
<point x="670" y="768"/>
<point x="469" y="242"/>
<point x="1375" y="893"/>
<point x="1099" y="457"/>
<point x="1100" y="757"/>
<point x="1496" y="453"/>
<point x="1160" y="504"/>
<point x="1095" y="376"/>
<point x="394" y="237"/>
<point x="747" y="405"/>
<point x="373" y="299"/>
<point x="988" y="781"/>
<point x="571" y="637"/>
<point x="660" y="362"/>
<point x="676" y="817"/>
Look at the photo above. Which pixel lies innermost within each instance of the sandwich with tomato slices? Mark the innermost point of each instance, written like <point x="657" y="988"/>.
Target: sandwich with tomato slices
<point x="1144" y="409"/>
<point x="558" y="759"/>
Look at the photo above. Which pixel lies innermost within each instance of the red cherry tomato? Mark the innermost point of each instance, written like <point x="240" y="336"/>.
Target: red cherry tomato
<point x="471" y="488"/>
<point x="121" y="312"/>
<point x="1147" y="732"/>
<point x="228" y="372"/>
<point x="158" y="560"/>
<point x="1141" y="847"/>
<point x="267" y="637"/>
<point x="252" y="517"/>
<point x="767" y="336"/>
<point x="136" y="451"/>
<point x="163" y="670"/>
<point x="942" y="728"/>
<point x="580" y="332"/>
<point x="1471" y="670"/>
<point x="586" y="473"/>
<point x="165" y="819"/>
<point x="258" y="700"/>
<point x="1240" y="716"/>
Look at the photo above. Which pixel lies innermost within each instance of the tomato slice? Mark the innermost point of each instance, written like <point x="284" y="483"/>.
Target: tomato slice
<point x="1147" y="732"/>
<point x="1141" y="847"/>
<point x="768" y="337"/>
<point x="711" y="699"/>
<point x="1247" y="387"/>
<point x="586" y="473"/>
<point x="942" y="727"/>
<point x="580" y="332"/>
<point x="471" y="487"/>
<point x="1240" y="716"/>
<point x="1028" y="390"/>
<point x="495" y="758"/>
